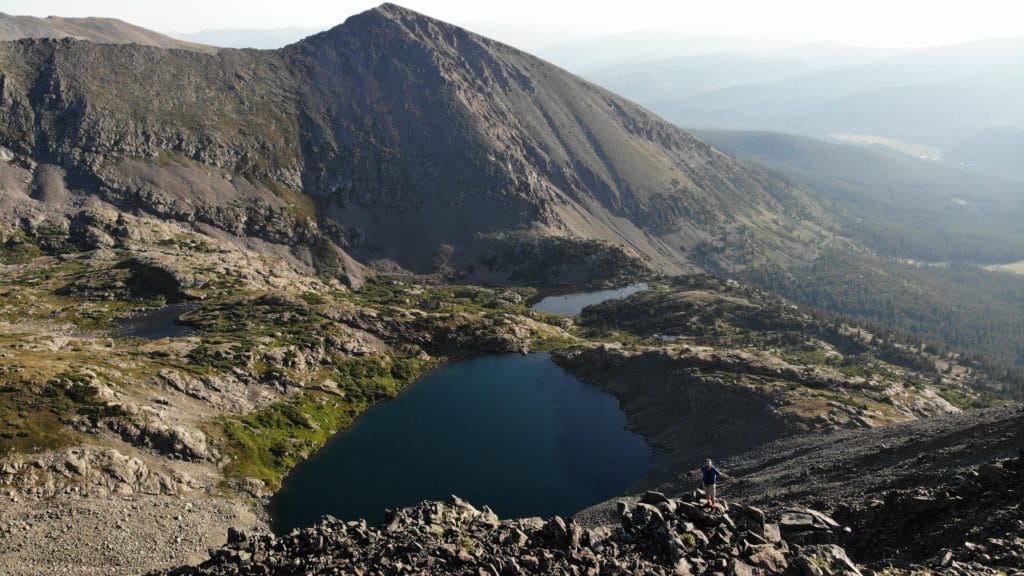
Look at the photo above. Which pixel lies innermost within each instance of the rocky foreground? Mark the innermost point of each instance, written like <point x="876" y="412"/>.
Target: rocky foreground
<point x="658" y="535"/>
<point x="974" y="526"/>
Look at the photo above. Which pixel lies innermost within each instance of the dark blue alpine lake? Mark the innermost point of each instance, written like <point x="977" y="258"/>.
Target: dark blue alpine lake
<point x="514" y="432"/>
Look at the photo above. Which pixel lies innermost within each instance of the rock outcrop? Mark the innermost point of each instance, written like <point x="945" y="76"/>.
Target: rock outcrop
<point x="90" y="472"/>
<point x="659" y="535"/>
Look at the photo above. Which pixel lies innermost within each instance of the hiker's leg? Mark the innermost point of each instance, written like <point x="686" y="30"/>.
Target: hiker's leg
<point x="712" y="494"/>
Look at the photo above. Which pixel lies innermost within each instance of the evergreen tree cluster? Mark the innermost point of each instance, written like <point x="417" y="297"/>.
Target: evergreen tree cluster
<point x="955" y="309"/>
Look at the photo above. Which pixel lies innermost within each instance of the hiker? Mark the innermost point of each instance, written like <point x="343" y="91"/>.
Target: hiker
<point x="709" y="476"/>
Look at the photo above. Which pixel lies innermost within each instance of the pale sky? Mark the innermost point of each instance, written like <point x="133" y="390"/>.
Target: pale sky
<point x="537" y="23"/>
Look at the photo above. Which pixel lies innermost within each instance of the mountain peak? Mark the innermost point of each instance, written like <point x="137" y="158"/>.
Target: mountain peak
<point x="409" y="19"/>
<point x="372" y="21"/>
<point x="393" y="12"/>
<point x="391" y="9"/>
<point x="473" y="151"/>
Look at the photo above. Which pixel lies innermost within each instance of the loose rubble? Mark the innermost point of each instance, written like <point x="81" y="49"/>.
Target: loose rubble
<point x="659" y="535"/>
<point x="974" y="525"/>
<point x="120" y="535"/>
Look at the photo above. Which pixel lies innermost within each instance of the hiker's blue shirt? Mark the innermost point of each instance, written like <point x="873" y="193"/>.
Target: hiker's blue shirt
<point x="710" y="474"/>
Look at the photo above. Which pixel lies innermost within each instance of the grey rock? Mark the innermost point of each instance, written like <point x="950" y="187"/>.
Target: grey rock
<point x="740" y="568"/>
<point x="806" y="567"/>
<point x="442" y="538"/>
<point x="654" y="498"/>
<point x="772" y="533"/>
<point x="769" y="558"/>
<point x="834" y="557"/>
<point x="991" y="473"/>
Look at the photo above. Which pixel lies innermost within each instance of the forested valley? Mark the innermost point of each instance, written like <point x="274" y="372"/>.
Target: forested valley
<point x="953" y="309"/>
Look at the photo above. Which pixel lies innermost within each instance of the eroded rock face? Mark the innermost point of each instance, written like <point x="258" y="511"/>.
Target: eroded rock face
<point x="171" y="440"/>
<point x="670" y="395"/>
<point x="741" y="390"/>
<point x="90" y="472"/>
<point x="658" y="535"/>
<point x="150" y="280"/>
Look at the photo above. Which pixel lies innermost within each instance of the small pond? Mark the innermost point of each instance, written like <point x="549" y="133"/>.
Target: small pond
<point x="514" y="432"/>
<point x="157" y="324"/>
<point x="573" y="303"/>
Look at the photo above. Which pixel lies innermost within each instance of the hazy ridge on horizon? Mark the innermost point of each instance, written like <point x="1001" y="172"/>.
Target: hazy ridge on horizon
<point x="951" y="102"/>
<point x="960" y="103"/>
<point x="258" y="38"/>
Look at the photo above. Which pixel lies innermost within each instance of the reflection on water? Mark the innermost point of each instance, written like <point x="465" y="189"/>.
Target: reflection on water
<point x="573" y="304"/>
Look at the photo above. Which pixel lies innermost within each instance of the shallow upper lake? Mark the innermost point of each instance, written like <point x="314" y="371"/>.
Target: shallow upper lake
<point x="157" y="324"/>
<point x="572" y="304"/>
<point x="514" y="432"/>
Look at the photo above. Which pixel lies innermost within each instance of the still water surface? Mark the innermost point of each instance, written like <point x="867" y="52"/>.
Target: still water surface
<point x="158" y="324"/>
<point x="572" y="304"/>
<point x="514" y="432"/>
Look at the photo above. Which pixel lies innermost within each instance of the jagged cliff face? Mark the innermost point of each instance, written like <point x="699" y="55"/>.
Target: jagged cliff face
<point x="85" y="105"/>
<point x="397" y="139"/>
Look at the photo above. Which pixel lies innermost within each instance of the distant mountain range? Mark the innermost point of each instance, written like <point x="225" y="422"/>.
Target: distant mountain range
<point x="953" y="98"/>
<point x="105" y="30"/>
<point x="960" y="104"/>
<point x="397" y="140"/>
<point x="263" y="39"/>
<point x="114" y="31"/>
<point x="998" y="149"/>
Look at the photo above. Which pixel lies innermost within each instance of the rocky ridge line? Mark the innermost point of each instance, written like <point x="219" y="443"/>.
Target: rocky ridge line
<point x="100" y="30"/>
<point x="658" y="535"/>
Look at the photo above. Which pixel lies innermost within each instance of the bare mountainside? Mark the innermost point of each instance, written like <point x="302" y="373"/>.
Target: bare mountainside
<point x="103" y="30"/>
<point x="398" y="140"/>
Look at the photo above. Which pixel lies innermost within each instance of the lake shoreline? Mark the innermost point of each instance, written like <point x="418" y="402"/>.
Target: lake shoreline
<point x="456" y="429"/>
